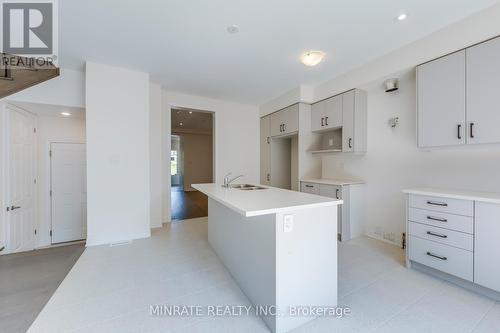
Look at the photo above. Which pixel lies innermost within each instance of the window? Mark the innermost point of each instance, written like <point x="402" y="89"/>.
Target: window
<point x="174" y="163"/>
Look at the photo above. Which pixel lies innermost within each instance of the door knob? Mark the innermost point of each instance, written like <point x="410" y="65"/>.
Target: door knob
<point x="14" y="207"/>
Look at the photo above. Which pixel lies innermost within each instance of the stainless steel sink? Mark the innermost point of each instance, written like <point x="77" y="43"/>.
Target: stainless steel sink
<point x="247" y="187"/>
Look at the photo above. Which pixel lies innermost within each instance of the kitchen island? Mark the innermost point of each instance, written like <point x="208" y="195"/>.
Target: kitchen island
<point x="280" y="246"/>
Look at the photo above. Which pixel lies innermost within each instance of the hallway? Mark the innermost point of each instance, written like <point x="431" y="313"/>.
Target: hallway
<point x="188" y="205"/>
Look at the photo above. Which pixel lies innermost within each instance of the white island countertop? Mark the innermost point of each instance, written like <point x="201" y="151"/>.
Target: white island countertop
<point x="271" y="200"/>
<point x="456" y="194"/>
<point x="338" y="182"/>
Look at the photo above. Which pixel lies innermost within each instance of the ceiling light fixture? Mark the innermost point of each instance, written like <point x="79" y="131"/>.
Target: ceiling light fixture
<point x="66" y="114"/>
<point x="402" y="17"/>
<point x="180" y="124"/>
<point x="190" y="112"/>
<point x="233" y="29"/>
<point x="312" y="58"/>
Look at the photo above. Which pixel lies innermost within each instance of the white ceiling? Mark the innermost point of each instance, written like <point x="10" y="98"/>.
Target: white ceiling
<point x="184" y="45"/>
<point x="51" y="110"/>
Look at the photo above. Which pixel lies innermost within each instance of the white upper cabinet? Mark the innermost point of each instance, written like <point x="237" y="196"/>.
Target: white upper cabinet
<point x="345" y="112"/>
<point x="458" y="97"/>
<point x="327" y="114"/>
<point x="348" y="119"/>
<point x="441" y="101"/>
<point x="483" y="92"/>
<point x="286" y="121"/>
<point x="265" y="150"/>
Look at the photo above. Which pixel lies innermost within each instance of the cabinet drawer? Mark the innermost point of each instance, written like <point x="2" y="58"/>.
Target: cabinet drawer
<point x="442" y="220"/>
<point x="309" y="188"/>
<point x="442" y="257"/>
<point x="440" y="235"/>
<point x="445" y="205"/>
<point x="331" y="191"/>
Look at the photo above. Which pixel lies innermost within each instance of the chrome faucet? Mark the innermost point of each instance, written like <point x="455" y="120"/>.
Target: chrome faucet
<point x="228" y="181"/>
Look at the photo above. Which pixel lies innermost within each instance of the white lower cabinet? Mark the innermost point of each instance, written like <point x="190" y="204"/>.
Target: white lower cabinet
<point x="349" y="215"/>
<point x="460" y="237"/>
<point x="487" y="245"/>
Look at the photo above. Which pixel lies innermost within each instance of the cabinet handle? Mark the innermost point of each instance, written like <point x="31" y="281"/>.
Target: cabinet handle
<point x="436" y="256"/>
<point x="310" y="186"/>
<point x="350" y="142"/>
<point x="443" y="204"/>
<point x="14" y="207"/>
<point x="268" y="140"/>
<point x="268" y="177"/>
<point x="284" y="127"/>
<point x="471" y="132"/>
<point x="436" y="219"/>
<point x="459" y="132"/>
<point x="337" y="193"/>
<point x="322" y="122"/>
<point x="281" y="128"/>
<point x="437" y="235"/>
<point x="326" y="121"/>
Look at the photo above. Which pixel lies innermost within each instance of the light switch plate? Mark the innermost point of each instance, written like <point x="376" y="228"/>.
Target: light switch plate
<point x="288" y="223"/>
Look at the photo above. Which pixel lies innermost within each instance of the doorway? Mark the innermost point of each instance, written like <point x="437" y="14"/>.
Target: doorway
<point x="42" y="171"/>
<point x="68" y="192"/>
<point x="20" y="194"/>
<point x="191" y="161"/>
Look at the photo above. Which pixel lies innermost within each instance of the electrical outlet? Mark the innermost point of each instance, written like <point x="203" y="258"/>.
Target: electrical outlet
<point x="288" y="223"/>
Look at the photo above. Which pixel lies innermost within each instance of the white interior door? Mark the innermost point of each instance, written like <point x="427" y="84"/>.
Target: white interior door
<point x="69" y="192"/>
<point x="20" y="180"/>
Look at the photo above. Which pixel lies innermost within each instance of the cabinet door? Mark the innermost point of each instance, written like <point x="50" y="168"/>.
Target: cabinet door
<point x="291" y="119"/>
<point x="318" y="116"/>
<point x="441" y="101"/>
<point x="486" y="245"/>
<point x="333" y="191"/>
<point x="483" y="92"/>
<point x="265" y="150"/>
<point x="348" y="121"/>
<point x="333" y="112"/>
<point x="277" y="121"/>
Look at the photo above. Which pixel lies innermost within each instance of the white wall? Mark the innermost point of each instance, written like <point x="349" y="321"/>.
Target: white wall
<point x="155" y="168"/>
<point x="236" y="134"/>
<point x="51" y="129"/>
<point x="118" y="141"/>
<point x="68" y="89"/>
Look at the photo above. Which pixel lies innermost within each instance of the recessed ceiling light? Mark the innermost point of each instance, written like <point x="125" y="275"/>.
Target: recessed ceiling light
<point x="233" y="29"/>
<point x="190" y="112"/>
<point x="312" y="58"/>
<point x="402" y="17"/>
<point x="180" y="124"/>
<point x="66" y="114"/>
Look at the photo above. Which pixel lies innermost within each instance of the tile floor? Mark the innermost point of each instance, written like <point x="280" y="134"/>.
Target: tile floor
<point x="110" y="290"/>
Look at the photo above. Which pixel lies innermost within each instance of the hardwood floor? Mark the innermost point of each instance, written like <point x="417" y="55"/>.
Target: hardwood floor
<point x="188" y="205"/>
<point x="28" y="280"/>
